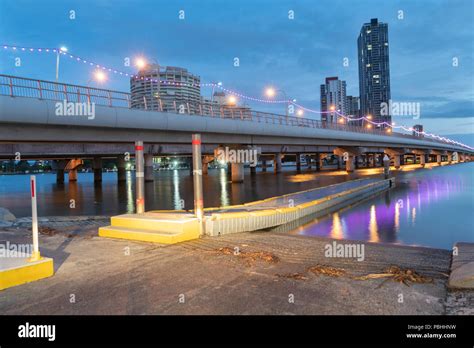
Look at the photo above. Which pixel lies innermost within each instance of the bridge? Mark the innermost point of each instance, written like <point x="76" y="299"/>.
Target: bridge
<point x="30" y="126"/>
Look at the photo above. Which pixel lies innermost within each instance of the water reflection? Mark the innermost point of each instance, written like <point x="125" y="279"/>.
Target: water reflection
<point x="423" y="209"/>
<point x="427" y="207"/>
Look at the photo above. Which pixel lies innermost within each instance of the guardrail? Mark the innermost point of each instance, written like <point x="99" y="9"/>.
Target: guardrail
<point x="30" y="88"/>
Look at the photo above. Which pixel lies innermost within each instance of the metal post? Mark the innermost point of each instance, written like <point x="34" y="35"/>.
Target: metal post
<point x="197" y="180"/>
<point x="11" y="86"/>
<point x="35" y="256"/>
<point x="40" y="89"/>
<point x="140" y="177"/>
<point x="386" y="166"/>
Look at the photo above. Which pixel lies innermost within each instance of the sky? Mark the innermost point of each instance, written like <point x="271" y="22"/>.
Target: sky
<point x="294" y="55"/>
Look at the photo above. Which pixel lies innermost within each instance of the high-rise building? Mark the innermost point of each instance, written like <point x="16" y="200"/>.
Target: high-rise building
<point x="167" y="89"/>
<point x="353" y="109"/>
<point x="374" y="71"/>
<point x="333" y="99"/>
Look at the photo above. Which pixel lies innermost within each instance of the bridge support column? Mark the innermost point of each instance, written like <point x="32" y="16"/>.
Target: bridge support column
<point x="319" y="162"/>
<point x="396" y="161"/>
<point x="350" y="163"/>
<point x="59" y="165"/>
<point x="308" y="161"/>
<point x="298" y="162"/>
<point x="237" y="172"/>
<point x="205" y="168"/>
<point x="340" y="162"/>
<point x="450" y="157"/>
<point x="253" y="169"/>
<point x="60" y="176"/>
<point x="264" y="164"/>
<point x="72" y="175"/>
<point x="277" y="163"/>
<point x="438" y="159"/>
<point x="356" y="162"/>
<point x="121" y="173"/>
<point x="422" y="160"/>
<point x="97" y="166"/>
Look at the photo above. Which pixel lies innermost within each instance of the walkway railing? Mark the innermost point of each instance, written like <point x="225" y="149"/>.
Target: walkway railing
<point x="25" y="87"/>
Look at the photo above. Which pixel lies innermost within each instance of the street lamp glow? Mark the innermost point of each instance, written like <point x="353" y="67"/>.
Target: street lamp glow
<point x="140" y="63"/>
<point x="270" y="92"/>
<point x="300" y="112"/>
<point x="332" y="108"/>
<point x="63" y="49"/>
<point x="100" y="76"/>
<point x="369" y="126"/>
<point x="232" y="100"/>
<point x="341" y="120"/>
<point x="369" y="117"/>
<point x="389" y="130"/>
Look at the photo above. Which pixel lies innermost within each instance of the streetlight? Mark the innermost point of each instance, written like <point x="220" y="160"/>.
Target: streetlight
<point x="271" y="92"/>
<point x="232" y="100"/>
<point x="300" y="112"/>
<point x="99" y="76"/>
<point x="140" y="63"/>
<point x="59" y="51"/>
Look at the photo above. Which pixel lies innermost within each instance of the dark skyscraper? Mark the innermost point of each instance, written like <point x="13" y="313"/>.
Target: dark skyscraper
<point x="374" y="71"/>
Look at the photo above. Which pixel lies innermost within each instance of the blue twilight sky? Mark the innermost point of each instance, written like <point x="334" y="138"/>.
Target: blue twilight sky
<point x="294" y="55"/>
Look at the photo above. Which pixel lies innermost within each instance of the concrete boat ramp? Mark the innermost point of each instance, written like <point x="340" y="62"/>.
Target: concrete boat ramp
<point x="171" y="227"/>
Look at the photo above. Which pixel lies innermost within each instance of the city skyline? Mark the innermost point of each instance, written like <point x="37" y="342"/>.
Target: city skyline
<point x="297" y="62"/>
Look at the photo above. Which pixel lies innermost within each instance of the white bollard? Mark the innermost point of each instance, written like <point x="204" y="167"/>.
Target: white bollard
<point x="35" y="256"/>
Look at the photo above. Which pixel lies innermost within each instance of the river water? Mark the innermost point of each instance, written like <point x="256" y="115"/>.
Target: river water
<point x="429" y="207"/>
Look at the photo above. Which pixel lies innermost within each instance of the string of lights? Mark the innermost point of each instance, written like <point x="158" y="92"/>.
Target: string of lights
<point x="346" y="118"/>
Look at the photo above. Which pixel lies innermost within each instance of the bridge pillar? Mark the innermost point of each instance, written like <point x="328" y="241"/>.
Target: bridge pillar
<point x="253" y="169"/>
<point x="121" y="173"/>
<point x="396" y="161"/>
<point x="60" y="176"/>
<point x="319" y="162"/>
<point x="438" y="159"/>
<point x="340" y="162"/>
<point x="205" y="167"/>
<point x="308" y="161"/>
<point x="356" y="162"/>
<point x="422" y="160"/>
<point x="450" y="157"/>
<point x="237" y="172"/>
<point x="350" y="163"/>
<point x="59" y="165"/>
<point x="298" y="162"/>
<point x="264" y="164"/>
<point x="97" y="167"/>
<point x="72" y="175"/>
<point x="277" y="163"/>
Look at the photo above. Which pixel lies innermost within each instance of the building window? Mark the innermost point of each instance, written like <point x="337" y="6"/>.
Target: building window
<point x="369" y="47"/>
